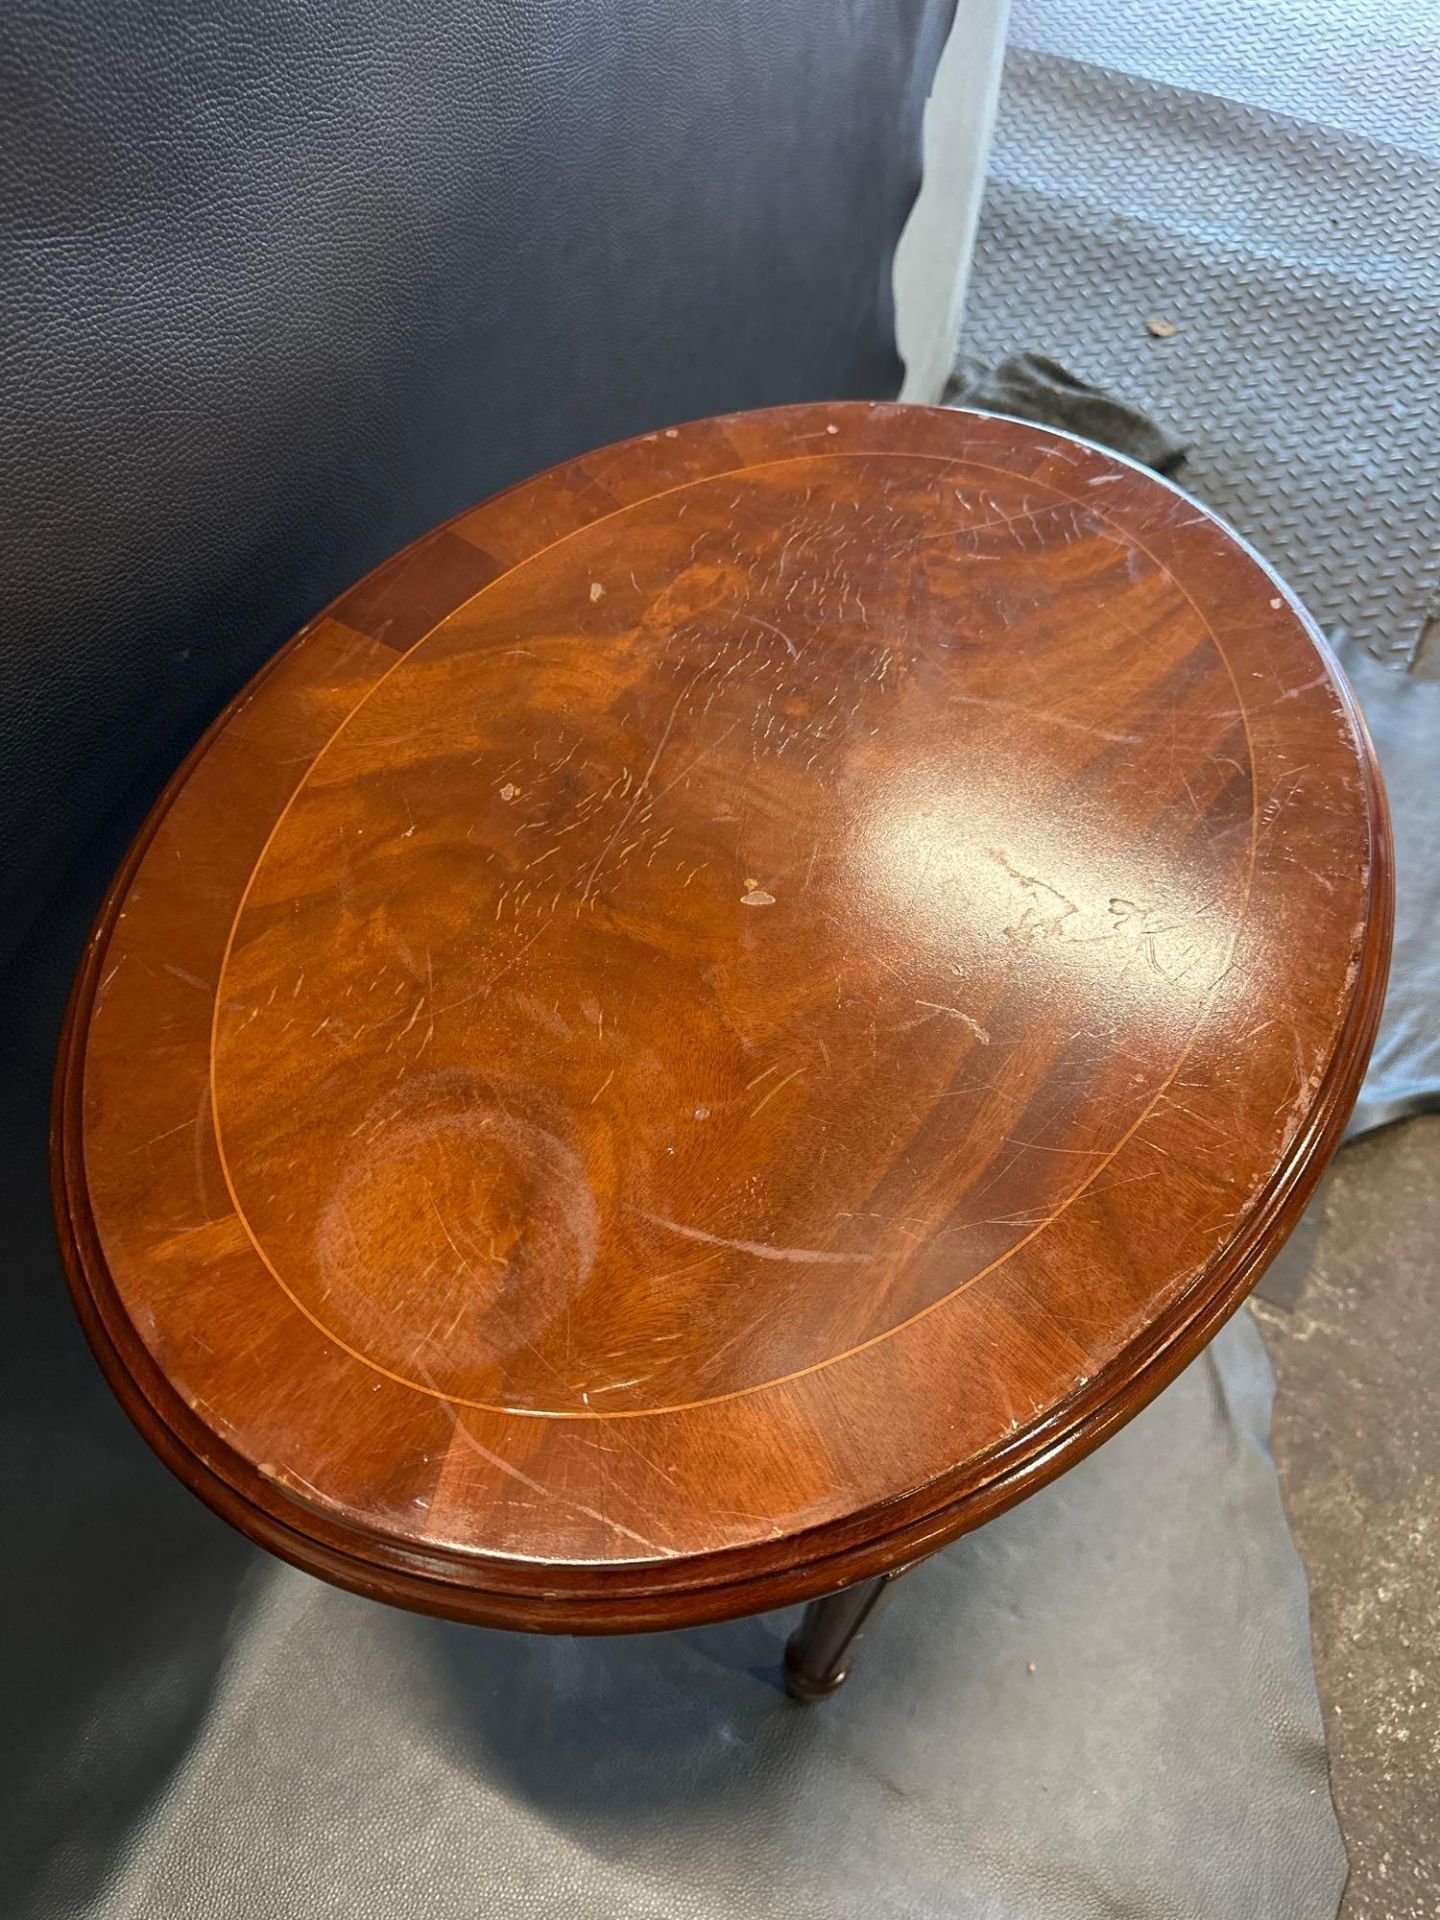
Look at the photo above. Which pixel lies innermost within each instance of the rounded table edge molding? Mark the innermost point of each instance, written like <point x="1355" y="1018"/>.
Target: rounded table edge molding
<point x="616" y="1596"/>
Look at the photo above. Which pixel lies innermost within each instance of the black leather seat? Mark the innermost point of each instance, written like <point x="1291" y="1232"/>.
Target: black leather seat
<point x="285" y="284"/>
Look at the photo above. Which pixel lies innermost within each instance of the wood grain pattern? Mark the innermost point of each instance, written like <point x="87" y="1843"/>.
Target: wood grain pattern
<point x="722" y="1018"/>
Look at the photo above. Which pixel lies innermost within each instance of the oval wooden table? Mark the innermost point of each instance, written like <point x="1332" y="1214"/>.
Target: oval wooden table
<point x="721" y="1019"/>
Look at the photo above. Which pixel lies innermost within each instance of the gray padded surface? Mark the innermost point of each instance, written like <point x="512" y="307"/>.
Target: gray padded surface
<point x="665" y="1776"/>
<point x="194" y="1732"/>
<point x="1403" y="712"/>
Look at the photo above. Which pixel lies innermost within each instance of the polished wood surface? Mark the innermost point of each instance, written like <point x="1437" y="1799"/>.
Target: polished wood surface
<point x="722" y="1017"/>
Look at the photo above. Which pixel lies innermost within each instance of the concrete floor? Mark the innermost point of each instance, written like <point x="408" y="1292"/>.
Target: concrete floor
<point x="1357" y="1443"/>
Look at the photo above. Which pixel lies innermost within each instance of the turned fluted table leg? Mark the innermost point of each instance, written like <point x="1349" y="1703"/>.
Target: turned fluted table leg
<point x="818" y="1653"/>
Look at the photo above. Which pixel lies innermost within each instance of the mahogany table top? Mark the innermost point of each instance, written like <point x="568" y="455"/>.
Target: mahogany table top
<point x="722" y="1017"/>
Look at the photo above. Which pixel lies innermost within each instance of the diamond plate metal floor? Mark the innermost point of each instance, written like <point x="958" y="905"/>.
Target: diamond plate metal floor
<point x="1298" y="263"/>
<point x="1365" y="67"/>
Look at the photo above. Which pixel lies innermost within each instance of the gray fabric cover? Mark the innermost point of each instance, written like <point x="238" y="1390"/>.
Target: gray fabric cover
<point x="1402" y="711"/>
<point x="1032" y="386"/>
<point x="355" y="1762"/>
<point x="192" y="1731"/>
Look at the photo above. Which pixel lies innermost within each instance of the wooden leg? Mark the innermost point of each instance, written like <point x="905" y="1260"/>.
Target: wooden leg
<point x="817" y="1655"/>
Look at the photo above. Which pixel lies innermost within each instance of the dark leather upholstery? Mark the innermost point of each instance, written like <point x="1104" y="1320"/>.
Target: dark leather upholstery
<point x="288" y="281"/>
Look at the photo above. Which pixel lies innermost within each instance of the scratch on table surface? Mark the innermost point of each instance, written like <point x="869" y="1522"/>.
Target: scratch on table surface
<point x="762" y="1250"/>
<point x="635" y="798"/>
<point x="182" y="1126"/>
<point x="289" y="1477"/>
<point x="549" y="1493"/>
<point x="1031" y="880"/>
<point x="603" y="1085"/>
<point x="1044" y="715"/>
<point x="190" y="979"/>
<point x="779" y="632"/>
<point x="770" y="1094"/>
<point x="974" y="1025"/>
